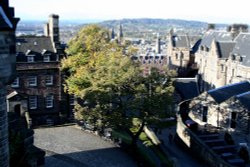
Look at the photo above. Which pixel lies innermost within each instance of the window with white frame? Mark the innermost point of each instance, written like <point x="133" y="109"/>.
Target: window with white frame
<point x="32" y="80"/>
<point x="49" y="80"/>
<point x="49" y="100"/>
<point x="15" y="84"/>
<point x="30" y="59"/>
<point x="46" y="58"/>
<point x="33" y="102"/>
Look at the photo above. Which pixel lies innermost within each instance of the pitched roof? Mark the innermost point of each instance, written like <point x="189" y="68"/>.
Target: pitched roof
<point x="244" y="99"/>
<point x="209" y="36"/>
<point x="225" y="48"/>
<point x="225" y="92"/>
<point x="242" y="48"/>
<point x="186" y="87"/>
<point x="181" y="41"/>
<point x="34" y="44"/>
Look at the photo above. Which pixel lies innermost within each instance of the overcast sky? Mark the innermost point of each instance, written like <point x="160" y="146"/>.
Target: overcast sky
<point x="216" y="11"/>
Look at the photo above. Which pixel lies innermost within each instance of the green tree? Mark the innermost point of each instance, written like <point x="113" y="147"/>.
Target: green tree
<point x="111" y="86"/>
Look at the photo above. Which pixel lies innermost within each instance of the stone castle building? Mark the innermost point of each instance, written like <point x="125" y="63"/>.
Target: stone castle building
<point x="8" y="24"/>
<point x="39" y="79"/>
<point x="180" y="53"/>
<point x="223" y="57"/>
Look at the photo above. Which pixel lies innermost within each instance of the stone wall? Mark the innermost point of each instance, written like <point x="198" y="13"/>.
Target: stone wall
<point x="4" y="149"/>
<point x="198" y="147"/>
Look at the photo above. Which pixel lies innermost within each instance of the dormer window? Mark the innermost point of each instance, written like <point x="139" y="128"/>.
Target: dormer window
<point x="30" y="59"/>
<point x="30" y="56"/>
<point x="46" y="58"/>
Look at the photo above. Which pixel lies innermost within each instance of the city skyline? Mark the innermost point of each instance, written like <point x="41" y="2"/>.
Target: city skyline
<point x="213" y="11"/>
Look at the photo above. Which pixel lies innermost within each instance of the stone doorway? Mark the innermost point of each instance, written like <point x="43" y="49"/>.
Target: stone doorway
<point x="17" y="109"/>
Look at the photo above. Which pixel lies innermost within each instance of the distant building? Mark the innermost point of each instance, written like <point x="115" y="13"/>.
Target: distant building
<point x="39" y="78"/>
<point x="151" y="55"/>
<point x="8" y="24"/>
<point x="180" y="53"/>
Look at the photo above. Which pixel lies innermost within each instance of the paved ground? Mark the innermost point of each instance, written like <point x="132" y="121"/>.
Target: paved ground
<point x="184" y="158"/>
<point x="72" y="147"/>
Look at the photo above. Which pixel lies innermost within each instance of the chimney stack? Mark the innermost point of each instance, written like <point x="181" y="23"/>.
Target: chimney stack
<point x="54" y="27"/>
<point x="210" y="26"/>
<point x="235" y="29"/>
<point x="51" y="29"/>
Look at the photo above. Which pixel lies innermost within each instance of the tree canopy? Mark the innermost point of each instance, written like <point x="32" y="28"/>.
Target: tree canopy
<point x="110" y="85"/>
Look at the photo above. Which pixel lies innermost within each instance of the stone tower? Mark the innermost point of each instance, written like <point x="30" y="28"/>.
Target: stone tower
<point x="158" y="45"/>
<point x="7" y="71"/>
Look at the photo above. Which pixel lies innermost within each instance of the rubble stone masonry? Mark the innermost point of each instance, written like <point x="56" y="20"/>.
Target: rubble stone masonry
<point x="4" y="149"/>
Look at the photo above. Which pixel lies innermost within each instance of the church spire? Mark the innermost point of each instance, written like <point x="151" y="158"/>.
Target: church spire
<point x="112" y="33"/>
<point x="120" y="33"/>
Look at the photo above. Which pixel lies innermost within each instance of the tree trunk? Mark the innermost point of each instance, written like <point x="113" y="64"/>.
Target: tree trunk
<point x="136" y="136"/>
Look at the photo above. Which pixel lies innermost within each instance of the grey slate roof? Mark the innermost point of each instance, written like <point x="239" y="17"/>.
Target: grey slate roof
<point x="186" y="87"/>
<point x="242" y="48"/>
<point x="34" y="43"/>
<point x="181" y="41"/>
<point x="244" y="99"/>
<point x="225" y="92"/>
<point x="217" y="35"/>
<point x="225" y="48"/>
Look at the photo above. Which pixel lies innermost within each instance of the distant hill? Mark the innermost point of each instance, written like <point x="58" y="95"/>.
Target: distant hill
<point x="144" y="27"/>
<point x="155" y="23"/>
<point x="162" y="26"/>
